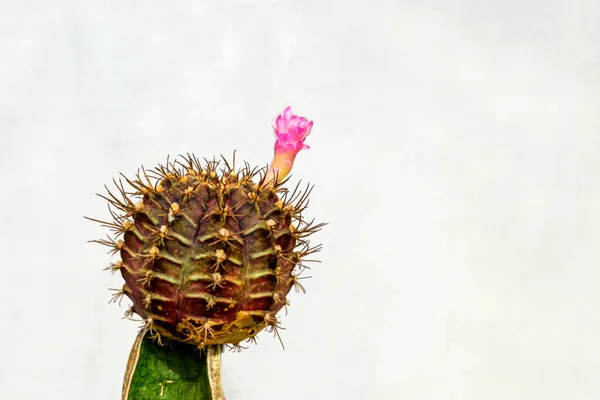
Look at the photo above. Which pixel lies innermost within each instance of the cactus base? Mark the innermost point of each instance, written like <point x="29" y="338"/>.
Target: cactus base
<point x="173" y="371"/>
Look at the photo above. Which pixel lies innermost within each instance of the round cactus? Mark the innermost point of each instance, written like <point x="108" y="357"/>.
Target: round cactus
<point x="208" y="253"/>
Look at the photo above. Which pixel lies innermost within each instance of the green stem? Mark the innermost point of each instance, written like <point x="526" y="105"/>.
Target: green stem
<point x="175" y="371"/>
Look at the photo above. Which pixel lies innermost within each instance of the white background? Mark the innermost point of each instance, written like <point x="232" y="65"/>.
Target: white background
<point x="455" y="155"/>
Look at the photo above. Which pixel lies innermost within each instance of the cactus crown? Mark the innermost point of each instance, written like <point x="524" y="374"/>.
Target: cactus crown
<point x="208" y="252"/>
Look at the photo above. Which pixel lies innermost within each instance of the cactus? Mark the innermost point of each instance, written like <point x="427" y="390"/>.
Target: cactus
<point x="208" y="255"/>
<point x="209" y="252"/>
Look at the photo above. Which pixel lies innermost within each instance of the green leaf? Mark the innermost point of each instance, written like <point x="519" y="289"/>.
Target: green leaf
<point x="175" y="371"/>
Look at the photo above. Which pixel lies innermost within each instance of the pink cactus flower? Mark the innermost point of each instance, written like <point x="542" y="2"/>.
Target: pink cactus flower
<point x="290" y="132"/>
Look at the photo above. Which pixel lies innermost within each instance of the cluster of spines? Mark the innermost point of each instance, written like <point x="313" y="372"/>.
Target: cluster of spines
<point x="221" y="176"/>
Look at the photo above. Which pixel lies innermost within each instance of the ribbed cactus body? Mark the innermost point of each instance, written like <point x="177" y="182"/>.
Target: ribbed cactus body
<point x="208" y="255"/>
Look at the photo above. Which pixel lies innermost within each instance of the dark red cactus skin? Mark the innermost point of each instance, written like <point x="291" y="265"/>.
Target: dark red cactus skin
<point x="208" y="256"/>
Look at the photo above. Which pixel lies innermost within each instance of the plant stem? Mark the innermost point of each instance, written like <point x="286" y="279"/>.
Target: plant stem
<point x="174" y="371"/>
